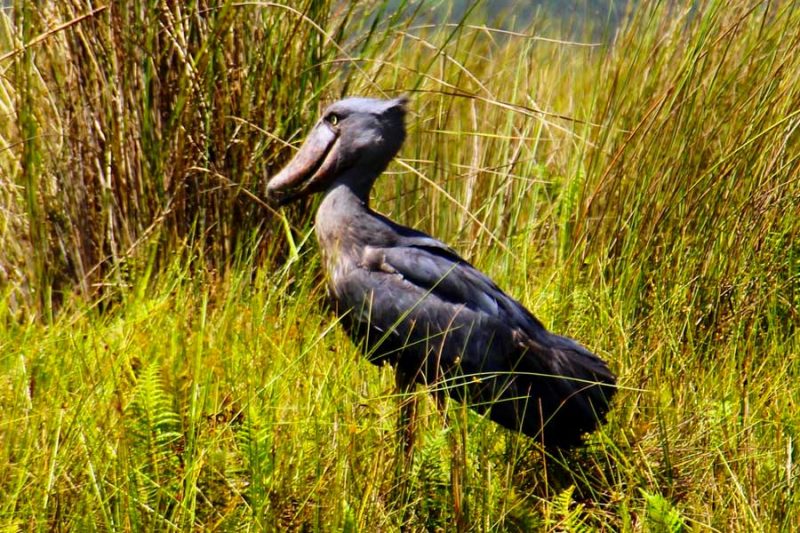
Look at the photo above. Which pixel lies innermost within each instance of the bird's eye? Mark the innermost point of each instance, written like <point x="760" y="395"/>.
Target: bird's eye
<point x="333" y="119"/>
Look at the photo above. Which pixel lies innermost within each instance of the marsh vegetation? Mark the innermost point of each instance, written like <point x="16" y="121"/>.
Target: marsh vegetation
<point x="166" y="360"/>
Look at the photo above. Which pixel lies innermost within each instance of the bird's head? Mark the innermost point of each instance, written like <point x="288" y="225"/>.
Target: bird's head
<point x="354" y="139"/>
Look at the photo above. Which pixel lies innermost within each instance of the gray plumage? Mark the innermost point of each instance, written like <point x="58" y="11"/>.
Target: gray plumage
<point x="409" y="300"/>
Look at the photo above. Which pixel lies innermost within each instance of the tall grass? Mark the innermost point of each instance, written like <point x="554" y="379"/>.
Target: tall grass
<point x="127" y="124"/>
<point x="641" y="194"/>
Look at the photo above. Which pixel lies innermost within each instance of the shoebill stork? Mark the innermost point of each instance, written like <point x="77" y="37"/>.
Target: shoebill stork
<point x="410" y="300"/>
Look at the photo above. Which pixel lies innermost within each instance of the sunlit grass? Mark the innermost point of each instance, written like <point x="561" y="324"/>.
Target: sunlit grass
<point x="166" y="359"/>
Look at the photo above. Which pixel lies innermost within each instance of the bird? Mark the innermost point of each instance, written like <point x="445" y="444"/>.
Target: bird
<point x="409" y="300"/>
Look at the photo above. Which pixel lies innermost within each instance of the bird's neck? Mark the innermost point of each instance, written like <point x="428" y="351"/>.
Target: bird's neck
<point x="344" y="198"/>
<point x="343" y="217"/>
<point x="347" y="196"/>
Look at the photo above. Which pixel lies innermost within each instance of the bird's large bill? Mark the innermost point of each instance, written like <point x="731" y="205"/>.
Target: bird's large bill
<point x="312" y="165"/>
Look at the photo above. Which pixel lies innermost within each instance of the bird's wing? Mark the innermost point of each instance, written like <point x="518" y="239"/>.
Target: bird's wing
<point x="384" y="296"/>
<point x="434" y="268"/>
<point x="408" y="299"/>
<point x="424" y="302"/>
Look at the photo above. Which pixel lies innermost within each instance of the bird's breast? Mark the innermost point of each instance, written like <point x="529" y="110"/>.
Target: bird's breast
<point x="337" y="262"/>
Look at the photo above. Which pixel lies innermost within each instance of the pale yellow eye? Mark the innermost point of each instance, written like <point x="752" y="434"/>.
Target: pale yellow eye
<point x="333" y="120"/>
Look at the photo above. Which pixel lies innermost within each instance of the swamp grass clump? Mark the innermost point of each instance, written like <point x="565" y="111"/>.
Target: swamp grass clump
<point x="166" y="359"/>
<point x="135" y="128"/>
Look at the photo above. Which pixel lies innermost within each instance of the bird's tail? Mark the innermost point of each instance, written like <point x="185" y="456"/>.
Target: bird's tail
<point x="560" y="391"/>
